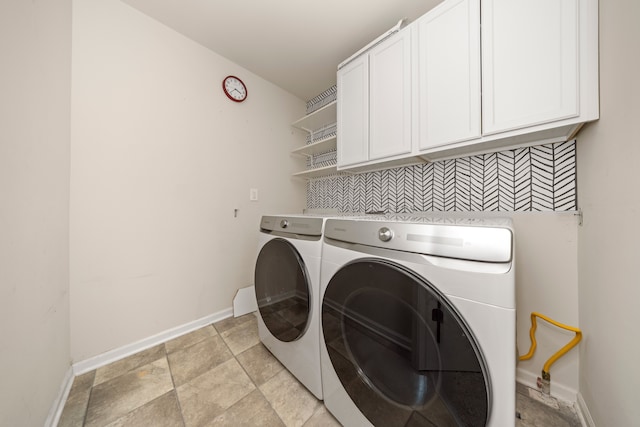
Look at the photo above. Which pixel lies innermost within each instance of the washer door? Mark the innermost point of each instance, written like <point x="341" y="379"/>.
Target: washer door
<point x="282" y="290"/>
<point x="400" y="349"/>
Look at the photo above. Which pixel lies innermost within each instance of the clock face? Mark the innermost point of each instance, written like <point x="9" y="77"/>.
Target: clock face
<point x="234" y="88"/>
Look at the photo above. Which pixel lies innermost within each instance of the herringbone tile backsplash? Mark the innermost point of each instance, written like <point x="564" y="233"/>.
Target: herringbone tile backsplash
<point x="539" y="178"/>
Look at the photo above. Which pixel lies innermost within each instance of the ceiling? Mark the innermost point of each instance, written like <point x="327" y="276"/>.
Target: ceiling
<point x="295" y="44"/>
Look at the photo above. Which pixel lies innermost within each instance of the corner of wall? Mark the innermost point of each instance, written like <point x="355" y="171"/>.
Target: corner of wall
<point x="58" y="405"/>
<point x="583" y="412"/>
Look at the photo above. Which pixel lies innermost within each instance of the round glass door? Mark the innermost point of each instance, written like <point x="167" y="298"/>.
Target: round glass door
<point x="400" y="349"/>
<point x="282" y="290"/>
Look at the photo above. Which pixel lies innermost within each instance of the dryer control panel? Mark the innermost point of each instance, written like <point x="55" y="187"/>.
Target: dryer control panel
<point x="304" y="226"/>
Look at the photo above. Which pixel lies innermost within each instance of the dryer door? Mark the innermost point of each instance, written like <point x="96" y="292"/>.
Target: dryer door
<point x="400" y="349"/>
<point x="282" y="290"/>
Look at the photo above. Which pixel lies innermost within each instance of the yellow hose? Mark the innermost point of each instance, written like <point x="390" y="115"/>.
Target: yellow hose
<point x="559" y="353"/>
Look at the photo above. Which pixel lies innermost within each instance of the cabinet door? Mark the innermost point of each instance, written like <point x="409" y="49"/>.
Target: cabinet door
<point x="353" y="112"/>
<point x="449" y="74"/>
<point x="390" y="97"/>
<point x="529" y="62"/>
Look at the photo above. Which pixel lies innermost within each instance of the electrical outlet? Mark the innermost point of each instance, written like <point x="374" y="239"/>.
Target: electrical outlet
<point x="253" y="194"/>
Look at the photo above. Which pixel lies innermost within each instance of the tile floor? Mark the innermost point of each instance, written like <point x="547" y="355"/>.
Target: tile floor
<point x="221" y="375"/>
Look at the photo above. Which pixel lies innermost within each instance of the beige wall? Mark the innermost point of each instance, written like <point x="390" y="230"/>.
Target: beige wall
<point x="160" y="158"/>
<point x="547" y="283"/>
<point x="35" y="42"/>
<point x="608" y="178"/>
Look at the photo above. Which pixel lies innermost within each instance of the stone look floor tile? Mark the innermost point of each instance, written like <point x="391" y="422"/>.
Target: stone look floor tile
<point x="190" y="339"/>
<point x="532" y="409"/>
<point x="114" y="398"/>
<point x="221" y="390"/>
<point x="252" y="410"/>
<point x="75" y="407"/>
<point x="232" y="322"/>
<point x="259" y="363"/>
<point x="534" y="414"/>
<point x="241" y="337"/>
<point x="209" y="395"/>
<point x="188" y="363"/>
<point x="322" y="418"/>
<point x="293" y="403"/>
<point x="161" y="412"/>
<point x="127" y="364"/>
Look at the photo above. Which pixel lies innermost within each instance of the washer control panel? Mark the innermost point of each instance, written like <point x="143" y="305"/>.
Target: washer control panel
<point x="447" y="239"/>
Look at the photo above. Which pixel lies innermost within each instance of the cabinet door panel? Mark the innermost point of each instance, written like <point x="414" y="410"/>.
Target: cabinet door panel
<point x="353" y="112"/>
<point x="529" y="62"/>
<point x="390" y="97"/>
<point x="449" y="74"/>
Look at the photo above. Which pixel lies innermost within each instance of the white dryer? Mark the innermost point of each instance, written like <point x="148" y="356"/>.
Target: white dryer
<point x="418" y="321"/>
<point x="287" y="287"/>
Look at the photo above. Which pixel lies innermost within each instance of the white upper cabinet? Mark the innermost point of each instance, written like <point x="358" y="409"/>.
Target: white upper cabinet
<point x="530" y="69"/>
<point x="539" y="74"/>
<point x="448" y="73"/>
<point x="390" y="97"/>
<point x="374" y="107"/>
<point x="353" y="112"/>
<point x="480" y="76"/>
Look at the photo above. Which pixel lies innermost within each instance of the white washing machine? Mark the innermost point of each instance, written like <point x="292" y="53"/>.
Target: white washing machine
<point x="418" y="321"/>
<point x="287" y="287"/>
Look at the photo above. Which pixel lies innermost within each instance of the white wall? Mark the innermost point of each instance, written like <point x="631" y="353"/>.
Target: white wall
<point x="35" y="42"/>
<point x="547" y="283"/>
<point x="160" y="158"/>
<point x="608" y="155"/>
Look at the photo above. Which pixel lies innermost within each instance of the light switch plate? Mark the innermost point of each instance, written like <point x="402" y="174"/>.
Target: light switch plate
<point x="253" y="194"/>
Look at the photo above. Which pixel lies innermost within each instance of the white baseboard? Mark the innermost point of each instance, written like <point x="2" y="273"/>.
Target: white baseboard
<point x="129" y="349"/>
<point x="559" y="391"/>
<point x="583" y="412"/>
<point x="58" y="405"/>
